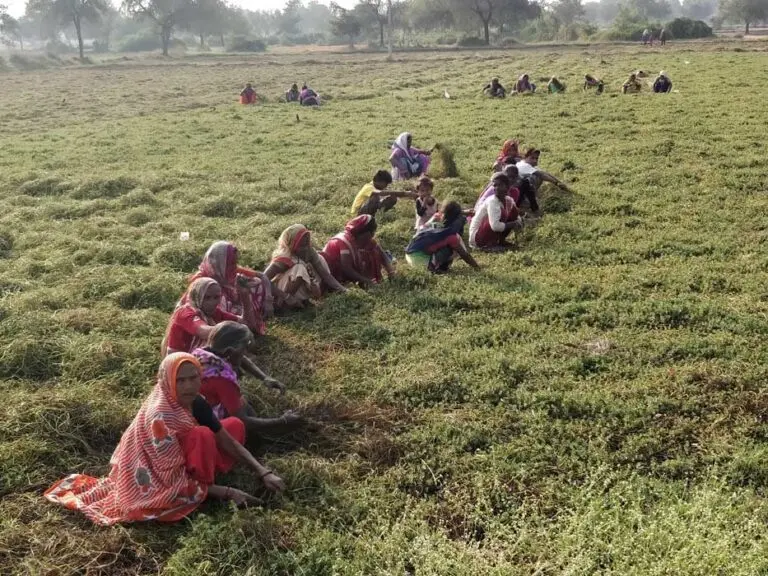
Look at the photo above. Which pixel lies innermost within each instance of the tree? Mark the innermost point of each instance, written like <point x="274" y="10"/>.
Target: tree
<point x="484" y="10"/>
<point x="206" y="17"/>
<point x="378" y="12"/>
<point x="568" y="12"/>
<point x="515" y="12"/>
<point x="651" y="9"/>
<point x="747" y="11"/>
<point x="290" y="18"/>
<point x="430" y="15"/>
<point x="166" y="14"/>
<point x="492" y="12"/>
<point x="345" y="23"/>
<point x="10" y="29"/>
<point x="699" y="9"/>
<point x="75" y="12"/>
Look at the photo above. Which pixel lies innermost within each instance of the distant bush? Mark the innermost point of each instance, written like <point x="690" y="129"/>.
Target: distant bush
<point x="446" y="40"/>
<point x="471" y="42"/>
<point x="143" y="41"/>
<point x="303" y="39"/>
<point x="243" y="44"/>
<point x="100" y="47"/>
<point x="683" y="28"/>
<point x="627" y="33"/>
<point x="147" y="41"/>
<point x="27" y="62"/>
<point x="59" y="47"/>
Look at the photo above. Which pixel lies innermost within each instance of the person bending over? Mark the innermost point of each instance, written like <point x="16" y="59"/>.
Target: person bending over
<point x="374" y="196"/>
<point x="495" y="89"/>
<point x="355" y="256"/>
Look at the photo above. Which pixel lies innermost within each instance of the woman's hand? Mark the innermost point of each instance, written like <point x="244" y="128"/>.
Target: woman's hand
<point x="243" y="286"/>
<point x="291" y="417"/>
<point x="240" y="498"/>
<point x="273" y="482"/>
<point x="274" y="384"/>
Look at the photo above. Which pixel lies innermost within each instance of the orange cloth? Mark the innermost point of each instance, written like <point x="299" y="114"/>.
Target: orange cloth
<point x="149" y="478"/>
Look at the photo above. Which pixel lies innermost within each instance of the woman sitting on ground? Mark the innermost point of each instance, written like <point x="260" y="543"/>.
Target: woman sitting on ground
<point x="165" y="464"/>
<point x="592" y="82"/>
<point x="497" y="218"/>
<point x="555" y="86"/>
<point x="248" y="95"/>
<point x="293" y="94"/>
<point x="510" y="154"/>
<point x="436" y="245"/>
<point x="196" y="313"/>
<point x="223" y="361"/>
<point x="662" y="84"/>
<point x="298" y="271"/>
<point x="408" y="162"/>
<point x="220" y="263"/>
<point x="524" y="85"/>
<point x="355" y="256"/>
<point x="531" y="178"/>
<point x="632" y="85"/>
<point x="495" y="89"/>
<point x="308" y="97"/>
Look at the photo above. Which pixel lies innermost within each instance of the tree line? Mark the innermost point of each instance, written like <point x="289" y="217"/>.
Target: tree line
<point x="380" y="22"/>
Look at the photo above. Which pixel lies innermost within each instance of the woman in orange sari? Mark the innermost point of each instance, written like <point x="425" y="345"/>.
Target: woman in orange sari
<point x="164" y="466"/>
<point x="220" y="263"/>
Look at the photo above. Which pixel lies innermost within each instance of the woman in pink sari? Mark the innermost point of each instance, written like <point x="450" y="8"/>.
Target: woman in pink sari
<point x="408" y="162"/>
<point x="220" y="263"/>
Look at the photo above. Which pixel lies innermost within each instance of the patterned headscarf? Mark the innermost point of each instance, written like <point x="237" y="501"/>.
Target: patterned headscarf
<point x="290" y="240"/>
<point x="220" y="263"/>
<point x="510" y="148"/>
<point x="358" y="224"/>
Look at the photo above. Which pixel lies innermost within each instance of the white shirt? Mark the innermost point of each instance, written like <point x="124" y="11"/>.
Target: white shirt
<point x="525" y="169"/>
<point x="490" y="209"/>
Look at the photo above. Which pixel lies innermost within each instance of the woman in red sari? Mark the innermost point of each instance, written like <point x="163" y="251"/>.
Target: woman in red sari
<point x="510" y="154"/>
<point x="164" y="466"/>
<point x="220" y="263"/>
<point x="196" y="313"/>
<point x="355" y="256"/>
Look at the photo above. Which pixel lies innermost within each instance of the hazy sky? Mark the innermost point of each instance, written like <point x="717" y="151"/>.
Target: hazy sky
<point x="16" y="7"/>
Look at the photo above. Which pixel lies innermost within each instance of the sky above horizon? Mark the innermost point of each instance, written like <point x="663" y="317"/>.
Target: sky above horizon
<point x="16" y="7"/>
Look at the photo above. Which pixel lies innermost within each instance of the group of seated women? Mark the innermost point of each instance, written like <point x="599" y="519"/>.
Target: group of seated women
<point x="523" y="85"/>
<point x="305" y="97"/>
<point x="662" y="84"/>
<point x="195" y="422"/>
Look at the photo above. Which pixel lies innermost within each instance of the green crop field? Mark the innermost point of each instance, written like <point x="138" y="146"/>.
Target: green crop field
<point x="593" y="402"/>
